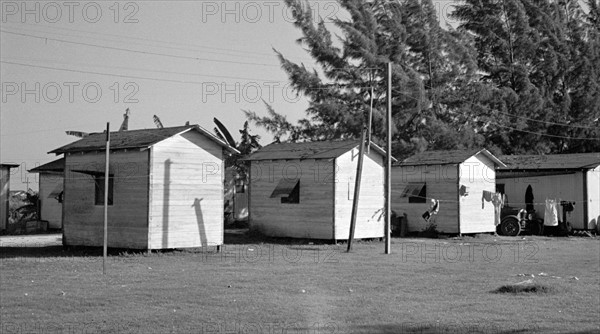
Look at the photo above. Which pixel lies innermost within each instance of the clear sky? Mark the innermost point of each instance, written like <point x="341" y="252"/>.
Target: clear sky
<point x="75" y="65"/>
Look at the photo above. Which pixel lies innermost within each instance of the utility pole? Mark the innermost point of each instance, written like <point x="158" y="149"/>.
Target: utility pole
<point x="388" y="162"/>
<point x="359" y="167"/>
<point x="106" y="185"/>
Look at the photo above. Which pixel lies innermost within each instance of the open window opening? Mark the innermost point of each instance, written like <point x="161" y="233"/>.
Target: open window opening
<point x="288" y="190"/>
<point x="416" y="192"/>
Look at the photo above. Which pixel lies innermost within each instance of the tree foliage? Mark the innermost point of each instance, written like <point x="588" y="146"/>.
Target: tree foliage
<point x="516" y="76"/>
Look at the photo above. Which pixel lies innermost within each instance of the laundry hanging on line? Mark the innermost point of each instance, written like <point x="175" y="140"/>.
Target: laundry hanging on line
<point x="498" y="202"/>
<point x="486" y="197"/>
<point x="435" y="207"/>
<point x="551" y="213"/>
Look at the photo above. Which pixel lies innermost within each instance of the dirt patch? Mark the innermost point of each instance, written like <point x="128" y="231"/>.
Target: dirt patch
<point x="523" y="288"/>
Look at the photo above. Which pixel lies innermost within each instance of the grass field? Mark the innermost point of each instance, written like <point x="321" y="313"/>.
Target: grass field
<point x="281" y="286"/>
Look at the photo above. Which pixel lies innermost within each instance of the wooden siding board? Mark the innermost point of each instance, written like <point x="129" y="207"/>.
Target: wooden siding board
<point x="127" y="217"/>
<point x="187" y="193"/>
<point x="476" y="216"/>
<point x="441" y="181"/>
<point x="370" y="218"/>
<point x="311" y="218"/>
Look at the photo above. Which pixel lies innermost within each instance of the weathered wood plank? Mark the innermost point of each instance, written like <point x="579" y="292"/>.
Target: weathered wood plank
<point x="83" y="220"/>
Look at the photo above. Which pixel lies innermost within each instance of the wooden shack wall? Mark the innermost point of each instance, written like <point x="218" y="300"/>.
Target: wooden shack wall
<point x="567" y="187"/>
<point x="83" y="221"/>
<point x="441" y="182"/>
<point x="477" y="174"/>
<point x="311" y="218"/>
<point x="4" y="193"/>
<point x="370" y="222"/>
<point x="51" y="209"/>
<point x="186" y="193"/>
<point x="593" y="200"/>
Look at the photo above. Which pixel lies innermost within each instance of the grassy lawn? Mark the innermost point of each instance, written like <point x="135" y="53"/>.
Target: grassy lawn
<point x="424" y="286"/>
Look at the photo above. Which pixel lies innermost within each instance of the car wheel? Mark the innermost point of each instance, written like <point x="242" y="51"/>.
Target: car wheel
<point x="510" y="226"/>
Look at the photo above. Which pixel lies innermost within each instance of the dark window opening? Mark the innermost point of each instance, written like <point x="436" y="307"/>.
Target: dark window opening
<point x="416" y="193"/>
<point x="500" y="188"/>
<point x="288" y="191"/>
<point x="294" y="196"/>
<point x="99" y="189"/>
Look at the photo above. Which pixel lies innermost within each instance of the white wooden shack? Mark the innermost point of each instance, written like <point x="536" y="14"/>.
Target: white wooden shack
<point x="457" y="179"/>
<point x="165" y="189"/>
<point x="306" y="190"/>
<point x="566" y="177"/>
<point x="4" y="193"/>
<point x="51" y="183"/>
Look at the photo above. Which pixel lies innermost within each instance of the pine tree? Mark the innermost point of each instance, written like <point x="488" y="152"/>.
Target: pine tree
<point x="429" y="64"/>
<point x="536" y="55"/>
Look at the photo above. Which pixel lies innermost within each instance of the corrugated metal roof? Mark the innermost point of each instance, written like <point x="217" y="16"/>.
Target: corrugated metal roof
<point x="57" y="165"/>
<point x="552" y="161"/>
<point x="446" y="157"/>
<point x="307" y="150"/>
<point x="133" y="139"/>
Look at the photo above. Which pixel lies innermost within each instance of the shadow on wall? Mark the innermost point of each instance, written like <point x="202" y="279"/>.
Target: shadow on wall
<point x="199" y="218"/>
<point x="166" y="195"/>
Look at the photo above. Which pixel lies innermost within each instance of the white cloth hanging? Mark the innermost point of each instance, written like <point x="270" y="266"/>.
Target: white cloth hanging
<point x="551" y="213"/>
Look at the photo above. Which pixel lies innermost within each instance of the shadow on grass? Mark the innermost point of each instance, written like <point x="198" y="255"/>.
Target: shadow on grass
<point x="249" y="237"/>
<point x="232" y="238"/>
<point x="60" y="251"/>
<point x="92" y="251"/>
<point x="441" y="328"/>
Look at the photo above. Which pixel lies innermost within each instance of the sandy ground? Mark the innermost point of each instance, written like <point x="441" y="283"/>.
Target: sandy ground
<point x="39" y="240"/>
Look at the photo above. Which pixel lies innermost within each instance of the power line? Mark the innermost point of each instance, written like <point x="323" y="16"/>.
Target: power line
<point x="544" y="134"/>
<point x="109" y="74"/>
<point x="145" y="70"/>
<point x="243" y="52"/>
<point x="515" y="129"/>
<point x="548" y="122"/>
<point x="232" y="52"/>
<point x="137" y="51"/>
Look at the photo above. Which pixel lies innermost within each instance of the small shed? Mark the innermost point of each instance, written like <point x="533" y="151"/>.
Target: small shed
<point x="51" y="183"/>
<point x="457" y="179"/>
<point x="567" y="177"/>
<point x="165" y="189"/>
<point x="306" y="190"/>
<point x="4" y="193"/>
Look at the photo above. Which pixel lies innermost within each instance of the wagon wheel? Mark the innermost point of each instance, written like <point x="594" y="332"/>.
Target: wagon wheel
<point x="510" y="226"/>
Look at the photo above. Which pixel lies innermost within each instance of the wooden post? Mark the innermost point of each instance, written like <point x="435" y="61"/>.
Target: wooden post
<point x="356" y="189"/>
<point x="106" y="185"/>
<point x="388" y="162"/>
